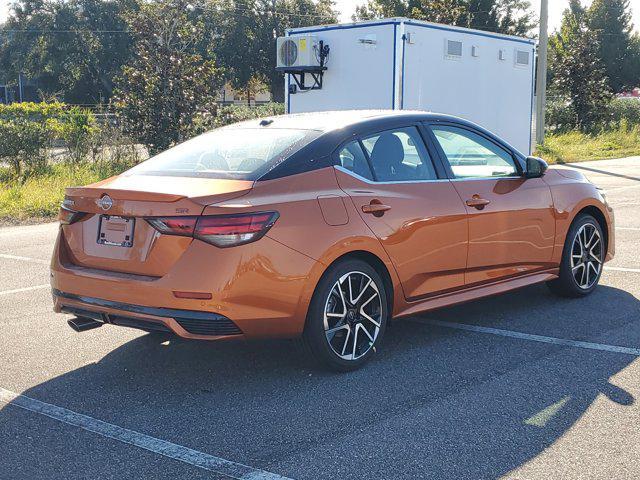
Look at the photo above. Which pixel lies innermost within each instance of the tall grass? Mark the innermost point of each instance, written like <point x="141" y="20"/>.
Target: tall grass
<point x="40" y="196"/>
<point x="577" y="146"/>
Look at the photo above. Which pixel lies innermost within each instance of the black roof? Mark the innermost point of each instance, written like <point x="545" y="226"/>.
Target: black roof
<point x="337" y="127"/>
<point x="339" y="119"/>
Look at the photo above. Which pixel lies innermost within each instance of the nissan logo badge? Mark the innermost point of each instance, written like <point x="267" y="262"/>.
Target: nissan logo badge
<point x="105" y="202"/>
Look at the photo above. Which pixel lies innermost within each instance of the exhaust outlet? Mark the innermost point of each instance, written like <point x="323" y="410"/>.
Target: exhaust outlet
<point x="80" y="324"/>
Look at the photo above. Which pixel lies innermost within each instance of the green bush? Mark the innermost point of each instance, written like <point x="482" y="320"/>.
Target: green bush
<point x="624" y="110"/>
<point x="620" y="112"/>
<point x="560" y="116"/>
<point x="28" y="131"/>
<point x="229" y="114"/>
<point x="23" y="144"/>
<point x="76" y="127"/>
<point x="237" y="113"/>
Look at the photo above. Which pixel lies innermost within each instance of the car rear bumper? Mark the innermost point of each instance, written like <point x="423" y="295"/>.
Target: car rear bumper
<point x="185" y="323"/>
<point x="258" y="290"/>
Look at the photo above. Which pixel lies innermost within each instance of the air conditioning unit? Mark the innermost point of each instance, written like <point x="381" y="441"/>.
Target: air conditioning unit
<point x="298" y="52"/>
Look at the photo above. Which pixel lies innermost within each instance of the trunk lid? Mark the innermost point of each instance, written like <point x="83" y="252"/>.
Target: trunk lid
<point x="135" y="197"/>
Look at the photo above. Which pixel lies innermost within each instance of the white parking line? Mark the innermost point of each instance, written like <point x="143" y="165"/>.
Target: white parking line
<point x="533" y="338"/>
<point x="622" y="269"/>
<point x="24" y="259"/>
<point x="124" y="435"/>
<point x="620" y="189"/>
<point x="628" y="228"/>
<point x="25" y="289"/>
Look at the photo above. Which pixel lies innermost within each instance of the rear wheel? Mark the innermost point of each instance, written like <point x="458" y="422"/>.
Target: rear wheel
<point x="347" y="316"/>
<point x="582" y="259"/>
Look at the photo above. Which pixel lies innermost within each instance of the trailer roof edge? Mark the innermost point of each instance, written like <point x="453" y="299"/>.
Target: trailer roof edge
<point x="409" y="21"/>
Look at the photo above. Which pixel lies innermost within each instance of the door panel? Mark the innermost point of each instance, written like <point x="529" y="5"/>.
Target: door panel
<point x="511" y="235"/>
<point x="511" y="218"/>
<point x="424" y="232"/>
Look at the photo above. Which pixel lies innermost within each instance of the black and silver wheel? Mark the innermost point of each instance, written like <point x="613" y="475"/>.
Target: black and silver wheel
<point x="347" y="315"/>
<point x="582" y="259"/>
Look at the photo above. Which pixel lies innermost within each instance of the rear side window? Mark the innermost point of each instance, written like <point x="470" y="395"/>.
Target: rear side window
<point x="353" y="159"/>
<point x="399" y="155"/>
<point x="234" y="153"/>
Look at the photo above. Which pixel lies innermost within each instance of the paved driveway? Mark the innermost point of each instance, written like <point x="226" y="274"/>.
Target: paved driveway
<point x="523" y="385"/>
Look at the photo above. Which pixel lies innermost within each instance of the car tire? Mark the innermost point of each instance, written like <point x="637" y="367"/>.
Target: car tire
<point x="347" y="316"/>
<point x="582" y="259"/>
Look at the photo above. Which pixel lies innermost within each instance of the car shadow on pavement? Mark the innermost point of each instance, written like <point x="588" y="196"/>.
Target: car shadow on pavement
<point x="435" y="403"/>
<point x="604" y="172"/>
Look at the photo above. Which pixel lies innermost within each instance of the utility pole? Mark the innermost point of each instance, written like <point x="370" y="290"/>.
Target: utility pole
<point x="20" y="86"/>
<point x="541" y="84"/>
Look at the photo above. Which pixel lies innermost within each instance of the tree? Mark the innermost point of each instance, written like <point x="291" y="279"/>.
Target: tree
<point x="451" y="12"/>
<point x="168" y="82"/>
<point x="611" y="22"/>
<point x="72" y="48"/>
<point x="633" y="61"/>
<point x="579" y="74"/>
<point x="512" y="17"/>
<point x="243" y="35"/>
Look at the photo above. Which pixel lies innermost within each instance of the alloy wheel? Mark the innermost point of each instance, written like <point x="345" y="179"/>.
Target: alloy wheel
<point x="353" y="315"/>
<point x="586" y="256"/>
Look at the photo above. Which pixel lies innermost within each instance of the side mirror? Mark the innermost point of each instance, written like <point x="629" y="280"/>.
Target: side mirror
<point x="536" y="167"/>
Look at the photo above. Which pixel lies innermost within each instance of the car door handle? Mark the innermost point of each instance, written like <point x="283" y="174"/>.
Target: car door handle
<point x="477" y="202"/>
<point x="375" y="208"/>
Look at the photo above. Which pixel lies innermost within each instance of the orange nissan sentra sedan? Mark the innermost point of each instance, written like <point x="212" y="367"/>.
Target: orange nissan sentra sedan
<point x="323" y="226"/>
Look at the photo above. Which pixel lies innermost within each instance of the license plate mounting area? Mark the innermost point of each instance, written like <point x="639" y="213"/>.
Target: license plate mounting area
<point x="116" y="231"/>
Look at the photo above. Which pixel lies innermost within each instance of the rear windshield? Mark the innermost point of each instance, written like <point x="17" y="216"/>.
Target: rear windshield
<point x="234" y="153"/>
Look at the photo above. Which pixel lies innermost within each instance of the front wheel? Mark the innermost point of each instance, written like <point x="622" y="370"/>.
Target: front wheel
<point x="582" y="259"/>
<point x="347" y="316"/>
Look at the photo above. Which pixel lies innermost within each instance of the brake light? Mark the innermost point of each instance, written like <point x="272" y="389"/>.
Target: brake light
<point x="67" y="216"/>
<point x="182" y="226"/>
<point x="219" y="230"/>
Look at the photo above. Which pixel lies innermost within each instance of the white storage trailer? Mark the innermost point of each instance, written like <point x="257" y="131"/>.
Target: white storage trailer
<point x="400" y="63"/>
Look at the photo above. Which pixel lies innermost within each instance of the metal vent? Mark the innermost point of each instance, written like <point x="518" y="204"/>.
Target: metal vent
<point x="217" y="325"/>
<point x="288" y="52"/>
<point x="522" y="57"/>
<point x="454" y="48"/>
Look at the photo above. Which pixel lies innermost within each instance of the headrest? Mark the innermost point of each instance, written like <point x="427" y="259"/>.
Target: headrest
<point x="387" y="150"/>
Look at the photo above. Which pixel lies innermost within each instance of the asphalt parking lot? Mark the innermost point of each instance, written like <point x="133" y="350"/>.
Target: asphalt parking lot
<point x="524" y="385"/>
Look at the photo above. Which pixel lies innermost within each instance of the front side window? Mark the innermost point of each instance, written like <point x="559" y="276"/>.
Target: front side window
<point x="473" y="156"/>
<point x="234" y="153"/>
<point x="399" y="155"/>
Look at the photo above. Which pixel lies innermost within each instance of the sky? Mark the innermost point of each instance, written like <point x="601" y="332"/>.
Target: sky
<point x="347" y="8"/>
<point x="556" y="7"/>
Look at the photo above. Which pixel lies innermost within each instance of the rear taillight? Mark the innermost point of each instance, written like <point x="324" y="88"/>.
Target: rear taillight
<point x="183" y="226"/>
<point x="230" y="230"/>
<point x="219" y="230"/>
<point x="67" y="217"/>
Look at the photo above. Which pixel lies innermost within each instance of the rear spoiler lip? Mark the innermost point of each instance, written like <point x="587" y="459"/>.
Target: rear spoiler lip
<point x="117" y="194"/>
<point x="85" y="198"/>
